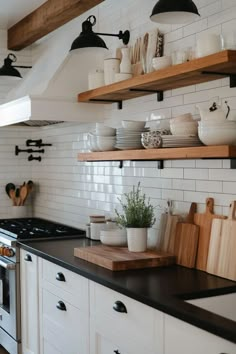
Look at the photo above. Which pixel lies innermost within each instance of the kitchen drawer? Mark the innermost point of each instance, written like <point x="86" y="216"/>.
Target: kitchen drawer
<point x="71" y="286"/>
<point x="65" y="330"/>
<point x="105" y="338"/>
<point x="143" y="323"/>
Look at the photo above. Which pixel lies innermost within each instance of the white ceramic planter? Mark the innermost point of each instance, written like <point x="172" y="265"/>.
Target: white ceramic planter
<point x="137" y="239"/>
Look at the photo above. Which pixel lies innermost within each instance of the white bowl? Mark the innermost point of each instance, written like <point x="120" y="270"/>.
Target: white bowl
<point x="158" y="124"/>
<point x="217" y="136"/>
<point x="92" y="143"/>
<point x="115" y="240"/>
<point x="104" y="130"/>
<point x="114" y="232"/>
<point x="208" y="43"/>
<point x="106" y="145"/>
<point x="187" y="117"/>
<point x="132" y="124"/>
<point x="185" y="128"/>
<point x="161" y="62"/>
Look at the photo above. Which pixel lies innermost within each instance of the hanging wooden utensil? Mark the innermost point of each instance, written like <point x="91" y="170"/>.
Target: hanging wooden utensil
<point x="204" y="221"/>
<point x="186" y="240"/>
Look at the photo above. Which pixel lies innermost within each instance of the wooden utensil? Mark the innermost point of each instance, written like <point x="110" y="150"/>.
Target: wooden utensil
<point x="23" y="194"/>
<point x="8" y="187"/>
<point x="119" y="258"/>
<point x="12" y="194"/>
<point x="186" y="240"/>
<point x="204" y="221"/>
<point x="227" y="259"/>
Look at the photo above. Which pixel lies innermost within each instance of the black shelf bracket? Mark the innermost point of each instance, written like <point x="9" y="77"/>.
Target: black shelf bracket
<point x="119" y="102"/>
<point x="233" y="164"/>
<point x="160" y="95"/>
<point x="160" y="164"/>
<point x="232" y="77"/>
<point x="121" y="164"/>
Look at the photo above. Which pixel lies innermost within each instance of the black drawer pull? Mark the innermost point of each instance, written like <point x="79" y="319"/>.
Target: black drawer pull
<point x="61" y="306"/>
<point x="28" y="258"/>
<point x="116" y="352"/>
<point x="119" y="307"/>
<point x="60" y="277"/>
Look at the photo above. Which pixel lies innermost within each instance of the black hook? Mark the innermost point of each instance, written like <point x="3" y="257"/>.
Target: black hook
<point x="31" y="158"/>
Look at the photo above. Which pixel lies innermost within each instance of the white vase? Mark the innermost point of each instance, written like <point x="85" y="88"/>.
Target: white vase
<point x="22" y="211"/>
<point x="137" y="239"/>
<point x="125" y="65"/>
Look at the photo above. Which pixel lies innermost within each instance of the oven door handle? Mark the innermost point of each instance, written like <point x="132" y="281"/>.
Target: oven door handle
<point x="7" y="265"/>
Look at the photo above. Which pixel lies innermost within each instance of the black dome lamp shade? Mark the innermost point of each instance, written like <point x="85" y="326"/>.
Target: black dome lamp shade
<point x="7" y="69"/>
<point x="10" y="71"/>
<point x="174" y="11"/>
<point x="88" y="38"/>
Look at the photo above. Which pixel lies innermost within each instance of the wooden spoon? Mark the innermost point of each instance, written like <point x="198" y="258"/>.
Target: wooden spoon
<point x="23" y="194"/>
<point x="30" y="185"/>
<point x="17" y="197"/>
<point x="8" y="187"/>
<point x="12" y="194"/>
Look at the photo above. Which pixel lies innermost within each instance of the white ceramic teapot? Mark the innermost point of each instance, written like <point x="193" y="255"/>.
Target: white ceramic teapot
<point x="215" y="112"/>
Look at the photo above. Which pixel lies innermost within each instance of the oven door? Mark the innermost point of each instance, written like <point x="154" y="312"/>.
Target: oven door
<point x="9" y="297"/>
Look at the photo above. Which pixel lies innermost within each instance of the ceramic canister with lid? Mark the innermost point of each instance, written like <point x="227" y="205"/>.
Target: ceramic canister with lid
<point x="95" y="228"/>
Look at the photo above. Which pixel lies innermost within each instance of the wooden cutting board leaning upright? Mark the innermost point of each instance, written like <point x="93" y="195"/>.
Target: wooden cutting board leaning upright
<point x="204" y="221"/>
<point x="227" y="259"/>
<point x="186" y="240"/>
<point x="167" y="230"/>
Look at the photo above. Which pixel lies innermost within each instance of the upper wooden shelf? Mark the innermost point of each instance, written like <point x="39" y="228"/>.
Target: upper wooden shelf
<point x="222" y="151"/>
<point x="211" y="67"/>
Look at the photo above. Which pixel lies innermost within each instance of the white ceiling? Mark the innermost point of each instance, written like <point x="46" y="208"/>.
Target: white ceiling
<point x="12" y="11"/>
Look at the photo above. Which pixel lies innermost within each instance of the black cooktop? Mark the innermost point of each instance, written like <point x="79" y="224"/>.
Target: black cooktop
<point x="36" y="228"/>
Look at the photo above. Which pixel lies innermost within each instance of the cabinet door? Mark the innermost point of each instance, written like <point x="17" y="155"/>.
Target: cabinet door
<point x="183" y="338"/>
<point x="106" y="339"/>
<point x="29" y="303"/>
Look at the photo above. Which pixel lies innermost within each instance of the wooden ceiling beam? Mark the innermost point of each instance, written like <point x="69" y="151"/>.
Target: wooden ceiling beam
<point x="48" y="17"/>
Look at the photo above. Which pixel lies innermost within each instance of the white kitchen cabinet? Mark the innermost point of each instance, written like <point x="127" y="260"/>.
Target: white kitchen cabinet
<point x="64" y="314"/>
<point x="29" y="303"/>
<point x="131" y="328"/>
<point x="183" y="338"/>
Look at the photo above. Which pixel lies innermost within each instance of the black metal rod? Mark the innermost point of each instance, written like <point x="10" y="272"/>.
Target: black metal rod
<point x="22" y="66"/>
<point x="31" y="158"/>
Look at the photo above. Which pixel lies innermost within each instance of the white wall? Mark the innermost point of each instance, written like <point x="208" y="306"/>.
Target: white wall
<point x="71" y="190"/>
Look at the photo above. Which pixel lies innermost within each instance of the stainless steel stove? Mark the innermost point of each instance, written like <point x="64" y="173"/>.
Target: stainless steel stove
<point x="11" y="231"/>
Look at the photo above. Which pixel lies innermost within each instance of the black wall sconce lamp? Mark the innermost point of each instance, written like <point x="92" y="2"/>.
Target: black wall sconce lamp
<point x="9" y="70"/>
<point x="174" y="12"/>
<point x="88" y="38"/>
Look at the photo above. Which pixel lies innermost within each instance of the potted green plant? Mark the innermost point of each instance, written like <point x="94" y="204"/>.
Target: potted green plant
<point x="137" y="217"/>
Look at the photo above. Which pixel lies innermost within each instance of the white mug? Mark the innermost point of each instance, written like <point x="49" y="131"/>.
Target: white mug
<point x="111" y="67"/>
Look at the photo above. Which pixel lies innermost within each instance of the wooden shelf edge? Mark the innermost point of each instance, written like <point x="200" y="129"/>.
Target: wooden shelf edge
<point x="200" y="152"/>
<point x="196" y="65"/>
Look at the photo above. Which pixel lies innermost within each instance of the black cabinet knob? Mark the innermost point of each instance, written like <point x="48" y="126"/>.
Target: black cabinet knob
<point x="116" y="352"/>
<point x="61" y="306"/>
<point x="28" y="258"/>
<point x="60" y="277"/>
<point x="119" y="307"/>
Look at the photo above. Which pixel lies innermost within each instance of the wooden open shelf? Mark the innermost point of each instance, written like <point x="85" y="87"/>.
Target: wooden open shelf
<point x="211" y="67"/>
<point x="200" y="152"/>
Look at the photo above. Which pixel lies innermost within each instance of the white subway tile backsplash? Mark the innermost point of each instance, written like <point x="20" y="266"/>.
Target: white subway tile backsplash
<point x="69" y="191"/>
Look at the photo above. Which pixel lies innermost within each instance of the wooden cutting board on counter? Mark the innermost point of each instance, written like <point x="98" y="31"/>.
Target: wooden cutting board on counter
<point x="119" y="258"/>
<point x="204" y="221"/>
<point x="227" y="260"/>
<point x="186" y="240"/>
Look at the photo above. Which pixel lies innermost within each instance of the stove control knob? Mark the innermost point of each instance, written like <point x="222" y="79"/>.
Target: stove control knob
<point x="9" y="252"/>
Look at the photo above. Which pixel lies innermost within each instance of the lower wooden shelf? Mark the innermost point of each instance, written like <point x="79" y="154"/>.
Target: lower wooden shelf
<point x="200" y="152"/>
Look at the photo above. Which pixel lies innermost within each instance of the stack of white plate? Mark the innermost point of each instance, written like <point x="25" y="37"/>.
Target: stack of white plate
<point x="180" y="141"/>
<point x="129" y="139"/>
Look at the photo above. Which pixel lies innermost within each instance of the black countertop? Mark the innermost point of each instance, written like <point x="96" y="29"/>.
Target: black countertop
<point x="164" y="289"/>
